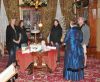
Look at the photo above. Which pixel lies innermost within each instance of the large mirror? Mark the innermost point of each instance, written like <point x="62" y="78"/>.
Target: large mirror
<point x="30" y="17"/>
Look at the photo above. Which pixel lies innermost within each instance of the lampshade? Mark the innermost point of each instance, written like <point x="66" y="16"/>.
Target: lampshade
<point x="40" y="24"/>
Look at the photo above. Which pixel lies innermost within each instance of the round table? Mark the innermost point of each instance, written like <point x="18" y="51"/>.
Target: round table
<point x="35" y="32"/>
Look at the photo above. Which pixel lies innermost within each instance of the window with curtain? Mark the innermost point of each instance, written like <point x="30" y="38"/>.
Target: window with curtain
<point x="30" y="17"/>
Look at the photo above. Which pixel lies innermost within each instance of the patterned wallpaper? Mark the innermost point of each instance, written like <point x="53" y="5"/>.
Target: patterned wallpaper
<point x="48" y="13"/>
<point x="12" y="9"/>
<point x="66" y="10"/>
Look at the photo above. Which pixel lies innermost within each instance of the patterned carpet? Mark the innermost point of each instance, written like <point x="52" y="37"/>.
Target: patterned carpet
<point x="91" y="73"/>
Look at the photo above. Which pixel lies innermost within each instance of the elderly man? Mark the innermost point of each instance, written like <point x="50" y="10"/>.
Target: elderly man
<point x="86" y="36"/>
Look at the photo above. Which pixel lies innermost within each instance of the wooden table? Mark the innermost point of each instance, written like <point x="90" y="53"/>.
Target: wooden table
<point x="49" y="57"/>
<point x="39" y="56"/>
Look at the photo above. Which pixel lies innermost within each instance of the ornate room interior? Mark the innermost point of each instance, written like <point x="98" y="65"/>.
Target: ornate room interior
<point x="39" y="16"/>
<point x="48" y="13"/>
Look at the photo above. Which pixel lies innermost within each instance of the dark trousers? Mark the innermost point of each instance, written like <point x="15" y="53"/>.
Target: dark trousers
<point x="12" y="54"/>
<point x="58" y="48"/>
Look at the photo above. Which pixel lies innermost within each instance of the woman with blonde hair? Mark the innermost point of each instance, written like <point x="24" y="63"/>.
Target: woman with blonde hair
<point x="12" y="41"/>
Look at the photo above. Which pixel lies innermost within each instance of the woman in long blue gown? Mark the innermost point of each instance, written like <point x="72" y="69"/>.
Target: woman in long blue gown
<point x="74" y="57"/>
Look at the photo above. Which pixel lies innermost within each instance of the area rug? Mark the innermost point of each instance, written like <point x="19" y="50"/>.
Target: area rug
<point x="91" y="73"/>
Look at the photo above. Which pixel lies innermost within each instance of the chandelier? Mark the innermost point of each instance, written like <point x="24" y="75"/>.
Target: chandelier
<point x="34" y="3"/>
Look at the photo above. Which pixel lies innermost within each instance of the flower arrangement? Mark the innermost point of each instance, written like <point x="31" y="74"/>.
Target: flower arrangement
<point x="34" y="3"/>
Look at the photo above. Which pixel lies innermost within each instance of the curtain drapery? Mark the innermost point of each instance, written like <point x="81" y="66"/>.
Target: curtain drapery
<point x="3" y="24"/>
<point x="61" y="18"/>
<point x="58" y="11"/>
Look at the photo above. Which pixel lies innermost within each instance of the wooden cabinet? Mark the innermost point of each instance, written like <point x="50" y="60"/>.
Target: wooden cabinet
<point x="92" y="22"/>
<point x="90" y="13"/>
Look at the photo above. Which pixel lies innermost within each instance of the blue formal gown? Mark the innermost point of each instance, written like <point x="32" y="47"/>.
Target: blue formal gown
<point x="74" y="57"/>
